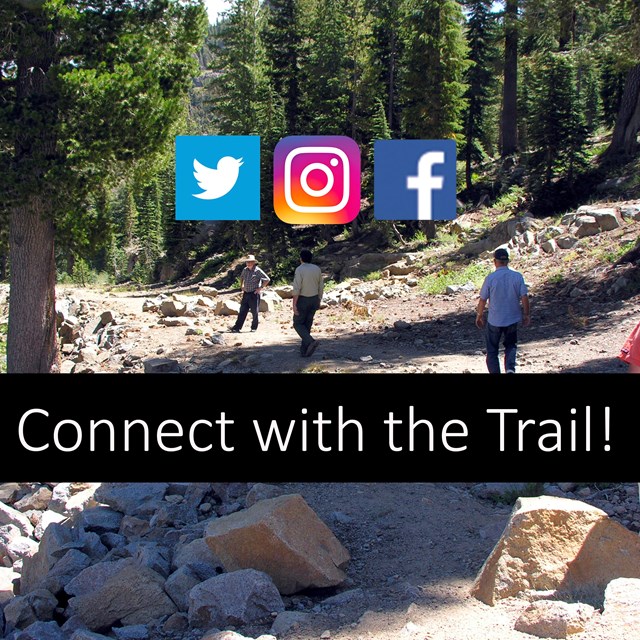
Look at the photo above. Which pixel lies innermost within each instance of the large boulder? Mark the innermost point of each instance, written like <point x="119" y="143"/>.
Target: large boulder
<point x="138" y="498"/>
<point x="67" y="568"/>
<point x="557" y="544"/>
<point x="284" y="538"/>
<point x="42" y="631"/>
<point x="132" y="595"/>
<point x="22" y="611"/>
<point x="607" y="218"/>
<point x="554" y="619"/>
<point x="237" y="598"/>
<point x="172" y="308"/>
<point x="622" y="607"/>
<point x="56" y="541"/>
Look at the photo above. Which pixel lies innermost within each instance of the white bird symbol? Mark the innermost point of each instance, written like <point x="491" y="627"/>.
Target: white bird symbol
<point x="217" y="182"/>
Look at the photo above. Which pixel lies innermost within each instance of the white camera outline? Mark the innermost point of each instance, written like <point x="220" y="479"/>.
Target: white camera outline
<point x="346" y="192"/>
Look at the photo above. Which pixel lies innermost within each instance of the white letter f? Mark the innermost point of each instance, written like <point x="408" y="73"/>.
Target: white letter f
<point x="425" y="182"/>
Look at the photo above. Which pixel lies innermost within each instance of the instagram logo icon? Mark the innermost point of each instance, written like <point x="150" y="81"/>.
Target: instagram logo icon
<point x="316" y="180"/>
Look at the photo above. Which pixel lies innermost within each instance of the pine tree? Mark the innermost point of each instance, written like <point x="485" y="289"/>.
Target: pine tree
<point x="68" y="66"/>
<point x="433" y="68"/>
<point x="509" y="117"/>
<point x="387" y="54"/>
<point x="558" y="132"/>
<point x="326" y="72"/>
<point x="480" y="80"/>
<point x="286" y="36"/>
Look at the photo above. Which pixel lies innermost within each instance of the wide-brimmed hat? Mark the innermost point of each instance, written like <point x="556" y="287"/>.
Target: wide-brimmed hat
<point x="251" y="258"/>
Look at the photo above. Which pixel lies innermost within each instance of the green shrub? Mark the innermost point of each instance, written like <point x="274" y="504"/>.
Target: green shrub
<point x="438" y="282"/>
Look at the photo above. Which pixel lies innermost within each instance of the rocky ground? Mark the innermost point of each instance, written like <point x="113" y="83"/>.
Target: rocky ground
<point x="415" y="551"/>
<point x="584" y="304"/>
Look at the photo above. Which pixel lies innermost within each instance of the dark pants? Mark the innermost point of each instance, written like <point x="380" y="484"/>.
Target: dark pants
<point x="494" y="334"/>
<point x="307" y="307"/>
<point x="250" y="302"/>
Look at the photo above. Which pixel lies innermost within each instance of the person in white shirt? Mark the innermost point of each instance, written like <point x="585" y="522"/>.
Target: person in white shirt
<point x="308" y="287"/>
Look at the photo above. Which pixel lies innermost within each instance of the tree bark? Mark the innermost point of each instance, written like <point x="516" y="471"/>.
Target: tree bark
<point x="625" y="133"/>
<point x="31" y="339"/>
<point x="509" y="117"/>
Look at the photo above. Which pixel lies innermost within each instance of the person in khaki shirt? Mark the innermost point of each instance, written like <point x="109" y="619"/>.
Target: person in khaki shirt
<point x="307" y="294"/>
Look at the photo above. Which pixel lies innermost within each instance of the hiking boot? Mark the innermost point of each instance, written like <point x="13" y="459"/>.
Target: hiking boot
<point x="311" y="348"/>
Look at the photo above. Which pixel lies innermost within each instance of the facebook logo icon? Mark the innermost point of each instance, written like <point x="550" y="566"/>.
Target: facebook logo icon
<point x="414" y="180"/>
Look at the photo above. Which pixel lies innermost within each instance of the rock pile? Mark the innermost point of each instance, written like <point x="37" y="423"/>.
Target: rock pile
<point x="155" y="560"/>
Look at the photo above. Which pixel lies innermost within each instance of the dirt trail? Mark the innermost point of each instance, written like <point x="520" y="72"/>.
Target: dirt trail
<point x="416" y="549"/>
<point x="567" y="336"/>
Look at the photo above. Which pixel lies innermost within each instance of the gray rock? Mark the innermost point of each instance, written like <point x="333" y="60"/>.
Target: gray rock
<point x="549" y="246"/>
<point x="628" y="211"/>
<point x="42" y="631"/>
<point x="73" y="624"/>
<point x="113" y="540"/>
<point x="181" y="581"/>
<point x="161" y="365"/>
<point x="133" y="595"/>
<point x="8" y="491"/>
<point x="132" y="498"/>
<point x="566" y="242"/>
<point x="95" y="577"/>
<point x="132" y="632"/>
<point x="48" y="518"/>
<point x="176" y="623"/>
<point x="260" y="491"/>
<point x="608" y="219"/>
<point x="67" y="568"/>
<point x="489" y="490"/>
<point x="56" y="541"/>
<point x="9" y="515"/>
<point x="236" y="598"/>
<point x="22" y="611"/>
<point x="401" y="325"/>
<point x="85" y="634"/>
<point x="133" y="527"/>
<point x="196" y="552"/>
<point x="176" y="322"/>
<point x="287" y="621"/>
<point x="100" y="520"/>
<point x="586" y="226"/>
<point x="151" y="555"/>
<point x="346" y="597"/>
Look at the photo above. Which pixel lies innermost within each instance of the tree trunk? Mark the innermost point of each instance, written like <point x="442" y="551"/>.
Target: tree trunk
<point x="625" y="133"/>
<point x="509" y="118"/>
<point x="428" y="227"/>
<point x="392" y="80"/>
<point x="31" y="340"/>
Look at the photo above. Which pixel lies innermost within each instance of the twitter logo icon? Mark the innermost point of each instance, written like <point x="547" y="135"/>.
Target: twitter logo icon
<point x="219" y="181"/>
<point x="217" y="178"/>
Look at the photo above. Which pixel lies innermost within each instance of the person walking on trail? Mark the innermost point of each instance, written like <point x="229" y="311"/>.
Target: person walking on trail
<point x="508" y="304"/>
<point x="252" y="281"/>
<point x="307" y="294"/>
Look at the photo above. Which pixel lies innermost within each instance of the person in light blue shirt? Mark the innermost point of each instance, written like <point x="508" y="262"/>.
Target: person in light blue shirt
<point x="508" y="299"/>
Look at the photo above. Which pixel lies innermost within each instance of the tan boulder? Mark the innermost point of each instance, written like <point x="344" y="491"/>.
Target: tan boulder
<point x="227" y="308"/>
<point x="622" y="607"/>
<point x="554" y="619"/>
<point x="557" y="544"/>
<point x="282" y="537"/>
